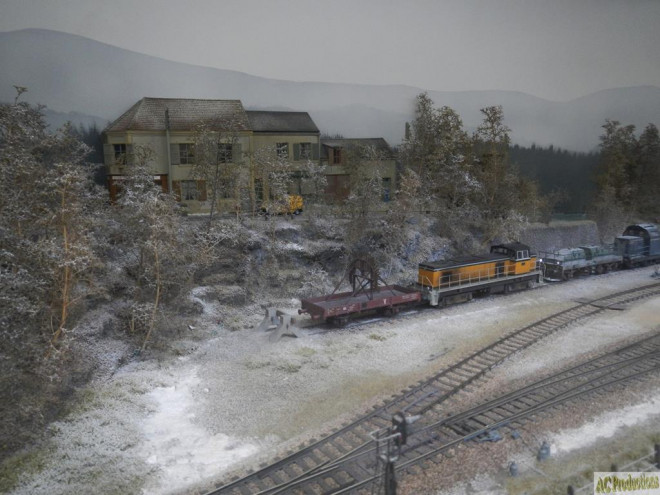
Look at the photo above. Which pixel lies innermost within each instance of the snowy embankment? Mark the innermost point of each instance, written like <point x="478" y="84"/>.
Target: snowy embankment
<point x="605" y="426"/>
<point x="183" y="451"/>
<point x="175" y="425"/>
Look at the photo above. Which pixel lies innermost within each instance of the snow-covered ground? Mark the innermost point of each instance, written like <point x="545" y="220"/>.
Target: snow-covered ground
<point x="176" y="425"/>
<point x="605" y="426"/>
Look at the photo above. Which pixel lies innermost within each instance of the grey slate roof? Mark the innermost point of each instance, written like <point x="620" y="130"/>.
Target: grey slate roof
<point x="378" y="143"/>
<point x="148" y="114"/>
<point x="265" y="121"/>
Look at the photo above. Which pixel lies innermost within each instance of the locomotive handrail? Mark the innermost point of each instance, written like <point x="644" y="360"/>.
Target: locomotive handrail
<point x="460" y="280"/>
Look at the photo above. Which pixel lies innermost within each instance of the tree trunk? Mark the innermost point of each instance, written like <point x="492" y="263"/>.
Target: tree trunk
<point x="157" y="299"/>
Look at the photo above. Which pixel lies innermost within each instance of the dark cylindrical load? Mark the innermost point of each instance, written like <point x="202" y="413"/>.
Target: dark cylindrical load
<point x="650" y="235"/>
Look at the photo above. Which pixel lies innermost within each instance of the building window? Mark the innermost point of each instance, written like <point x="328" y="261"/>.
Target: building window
<point x="336" y="156"/>
<point x="186" y="154"/>
<point x="259" y="189"/>
<point x="225" y="154"/>
<point x="295" y="186"/>
<point x="387" y="186"/>
<point x="189" y="191"/>
<point x="120" y="154"/>
<point x="305" y="151"/>
<point x="226" y="188"/>
<point x="282" y="150"/>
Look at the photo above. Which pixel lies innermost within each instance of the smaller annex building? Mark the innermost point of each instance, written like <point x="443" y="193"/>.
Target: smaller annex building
<point x="348" y="159"/>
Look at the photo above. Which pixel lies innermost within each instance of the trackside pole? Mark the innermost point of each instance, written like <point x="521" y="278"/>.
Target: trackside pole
<point x="388" y="449"/>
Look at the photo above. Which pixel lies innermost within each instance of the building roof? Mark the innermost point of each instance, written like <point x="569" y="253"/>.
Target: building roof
<point x="379" y="144"/>
<point x="265" y="121"/>
<point x="148" y="114"/>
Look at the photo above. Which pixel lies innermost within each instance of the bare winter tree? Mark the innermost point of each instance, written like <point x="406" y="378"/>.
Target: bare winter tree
<point x="364" y="166"/>
<point x="273" y="171"/>
<point x="317" y="181"/>
<point x="45" y="201"/>
<point x="68" y="192"/>
<point x="151" y="226"/>
<point x="629" y="177"/>
<point x="440" y="153"/>
<point x="649" y="172"/>
<point x="47" y="208"/>
<point x="218" y="162"/>
<point x="405" y="208"/>
<point x="507" y="201"/>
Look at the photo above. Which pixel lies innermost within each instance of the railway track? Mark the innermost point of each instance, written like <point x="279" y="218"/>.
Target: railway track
<point x="332" y="464"/>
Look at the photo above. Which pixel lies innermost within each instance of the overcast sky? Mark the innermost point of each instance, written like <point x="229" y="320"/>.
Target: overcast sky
<point x="555" y="49"/>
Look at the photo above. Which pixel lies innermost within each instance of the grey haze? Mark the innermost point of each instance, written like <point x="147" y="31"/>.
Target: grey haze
<point x="70" y="73"/>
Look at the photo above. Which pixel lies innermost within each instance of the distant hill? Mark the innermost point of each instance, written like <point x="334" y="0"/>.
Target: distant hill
<point x="58" y="119"/>
<point x="70" y="73"/>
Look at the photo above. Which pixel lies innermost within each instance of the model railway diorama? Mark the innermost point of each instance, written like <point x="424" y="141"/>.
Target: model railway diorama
<point x="507" y="268"/>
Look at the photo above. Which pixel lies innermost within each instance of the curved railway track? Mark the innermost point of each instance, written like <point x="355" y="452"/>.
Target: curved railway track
<point x="309" y="466"/>
<point x="511" y="410"/>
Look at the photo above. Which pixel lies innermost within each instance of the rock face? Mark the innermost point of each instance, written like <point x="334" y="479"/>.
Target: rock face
<point x="559" y="235"/>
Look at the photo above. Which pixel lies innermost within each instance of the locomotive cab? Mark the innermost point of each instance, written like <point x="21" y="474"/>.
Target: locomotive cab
<point x="520" y="258"/>
<point x="639" y="244"/>
<point x="631" y="248"/>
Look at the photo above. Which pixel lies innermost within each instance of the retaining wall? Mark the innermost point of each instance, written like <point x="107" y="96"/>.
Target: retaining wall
<point x="561" y="234"/>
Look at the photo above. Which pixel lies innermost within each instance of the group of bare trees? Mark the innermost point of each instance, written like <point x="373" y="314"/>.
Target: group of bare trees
<point x="55" y="229"/>
<point x="46" y="210"/>
<point x="468" y="182"/>
<point x="255" y="182"/>
<point x="629" y="176"/>
<point x="49" y="221"/>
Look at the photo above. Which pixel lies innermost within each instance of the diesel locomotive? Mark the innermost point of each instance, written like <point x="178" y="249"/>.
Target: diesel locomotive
<point x="638" y="246"/>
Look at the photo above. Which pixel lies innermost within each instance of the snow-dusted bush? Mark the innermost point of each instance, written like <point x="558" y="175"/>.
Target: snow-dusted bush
<point x="47" y="265"/>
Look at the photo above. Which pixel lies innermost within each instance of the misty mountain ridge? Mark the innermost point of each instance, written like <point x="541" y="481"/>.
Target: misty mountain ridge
<point x="98" y="82"/>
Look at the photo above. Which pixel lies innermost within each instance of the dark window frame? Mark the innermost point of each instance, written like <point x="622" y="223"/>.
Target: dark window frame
<point x="120" y="150"/>
<point x="306" y="151"/>
<point x="336" y="156"/>
<point x="225" y="152"/>
<point x="186" y="153"/>
<point x="282" y="150"/>
<point x="189" y="190"/>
